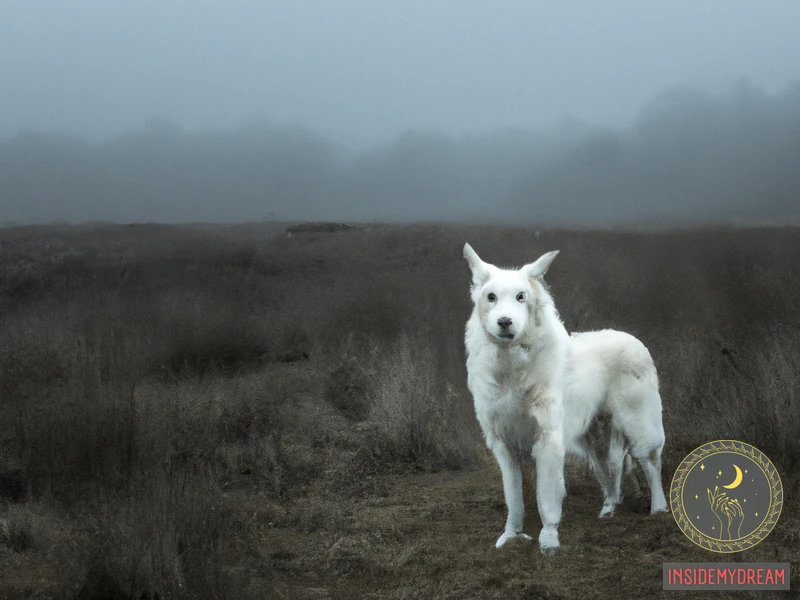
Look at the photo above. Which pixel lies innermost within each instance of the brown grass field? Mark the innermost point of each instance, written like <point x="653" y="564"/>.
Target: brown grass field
<point x="263" y="411"/>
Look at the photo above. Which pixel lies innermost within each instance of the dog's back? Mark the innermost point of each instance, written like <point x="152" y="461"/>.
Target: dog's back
<point x="616" y="353"/>
<point x="612" y="373"/>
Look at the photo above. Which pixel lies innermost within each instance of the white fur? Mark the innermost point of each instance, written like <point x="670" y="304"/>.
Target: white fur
<point x="540" y="392"/>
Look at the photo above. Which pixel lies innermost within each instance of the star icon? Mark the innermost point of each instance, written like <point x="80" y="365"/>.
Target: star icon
<point x="719" y="473"/>
<point x="756" y="514"/>
<point x="696" y="496"/>
<point x="702" y="467"/>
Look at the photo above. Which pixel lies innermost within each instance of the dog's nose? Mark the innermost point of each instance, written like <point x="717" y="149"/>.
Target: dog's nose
<point x="504" y="322"/>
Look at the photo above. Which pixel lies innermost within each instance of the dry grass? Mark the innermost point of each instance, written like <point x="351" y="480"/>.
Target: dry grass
<point x="420" y="418"/>
<point x="218" y="412"/>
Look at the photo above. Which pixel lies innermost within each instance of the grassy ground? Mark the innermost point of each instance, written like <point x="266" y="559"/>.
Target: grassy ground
<point x="260" y="411"/>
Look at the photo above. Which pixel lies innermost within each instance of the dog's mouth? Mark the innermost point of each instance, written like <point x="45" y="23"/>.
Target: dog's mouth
<point x="505" y="335"/>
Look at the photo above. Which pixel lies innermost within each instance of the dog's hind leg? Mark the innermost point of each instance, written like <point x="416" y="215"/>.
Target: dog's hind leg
<point x="651" y="464"/>
<point x="597" y="461"/>
<point x="614" y="464"/>
<point x="604" y="446"/>
<point x="645" y="435"/>
<point x="611" y="480"/>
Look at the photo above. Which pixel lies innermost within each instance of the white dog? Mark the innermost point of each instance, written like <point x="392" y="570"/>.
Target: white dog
<point x="540" y="392"/>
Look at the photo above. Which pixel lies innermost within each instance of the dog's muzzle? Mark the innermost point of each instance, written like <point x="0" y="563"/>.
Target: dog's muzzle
<point x="505" y="333"/>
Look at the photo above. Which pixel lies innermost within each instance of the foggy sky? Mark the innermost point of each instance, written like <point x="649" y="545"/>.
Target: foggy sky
<point x="510" y="112"/>
<point x="361" y="72"/>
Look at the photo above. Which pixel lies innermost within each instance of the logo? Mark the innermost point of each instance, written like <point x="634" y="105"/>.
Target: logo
<point x="726" y="576"/>
<point x="726" y="496"/>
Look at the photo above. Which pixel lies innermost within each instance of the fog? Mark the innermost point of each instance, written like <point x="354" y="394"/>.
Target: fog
<point x="511" y="112"/>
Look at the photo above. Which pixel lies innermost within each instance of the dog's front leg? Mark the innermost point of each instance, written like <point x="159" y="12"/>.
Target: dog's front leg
<point x="548" y="453"/>
<point x="512" y="488"/>
<point x="550" y="491"/>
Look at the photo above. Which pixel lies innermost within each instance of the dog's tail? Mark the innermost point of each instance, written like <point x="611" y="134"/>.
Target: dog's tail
<point x="631" y="483"/>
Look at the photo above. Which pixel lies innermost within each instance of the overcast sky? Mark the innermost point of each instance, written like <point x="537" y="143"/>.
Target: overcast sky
<point x="361" y="71"/>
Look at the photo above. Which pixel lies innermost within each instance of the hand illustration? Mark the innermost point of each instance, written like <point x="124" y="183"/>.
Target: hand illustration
<point x="718" y="501"/>
<point x="735" y="514"/>
<point x="729" y="513"/>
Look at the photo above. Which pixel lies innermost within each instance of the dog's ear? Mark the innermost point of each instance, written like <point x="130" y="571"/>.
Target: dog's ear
<point x="538" y="268"/>
<point x="480" y="270"/>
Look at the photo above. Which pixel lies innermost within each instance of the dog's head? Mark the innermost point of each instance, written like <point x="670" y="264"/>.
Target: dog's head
<point x="507" y="300"/>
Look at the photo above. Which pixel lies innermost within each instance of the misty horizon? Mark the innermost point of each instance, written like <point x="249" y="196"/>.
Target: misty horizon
<point x="687" y="156"/>
<point x="512" y="113"/>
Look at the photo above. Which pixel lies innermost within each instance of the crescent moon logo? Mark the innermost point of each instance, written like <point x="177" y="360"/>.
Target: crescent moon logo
<point x="736" y="481"/>
<point x="726" y="518"/>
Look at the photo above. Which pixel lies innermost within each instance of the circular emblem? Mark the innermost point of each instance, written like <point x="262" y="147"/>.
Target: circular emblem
<point x="726" y="496"/>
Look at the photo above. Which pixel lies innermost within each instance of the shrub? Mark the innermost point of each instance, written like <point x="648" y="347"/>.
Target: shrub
<point x="421" y="420"/>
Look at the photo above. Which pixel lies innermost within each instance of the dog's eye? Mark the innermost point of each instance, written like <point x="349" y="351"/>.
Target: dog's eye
<point x="521" y="297"/>
<point x="491" y="297"/>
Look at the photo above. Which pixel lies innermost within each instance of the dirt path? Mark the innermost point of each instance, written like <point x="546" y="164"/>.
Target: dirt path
<point x="432" y="536"/>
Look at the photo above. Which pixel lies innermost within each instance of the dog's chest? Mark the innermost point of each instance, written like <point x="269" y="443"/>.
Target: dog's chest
<point x="504" y="385"/>
<point x="509" y="419"/>
<point x="505" y="414"/>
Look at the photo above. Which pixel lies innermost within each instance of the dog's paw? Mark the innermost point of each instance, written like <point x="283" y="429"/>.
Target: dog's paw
<point x="510" y="535"/>
<point x="548" y="541"/>
<point x="549" y="550"/>
<point x="607" y="512"/>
